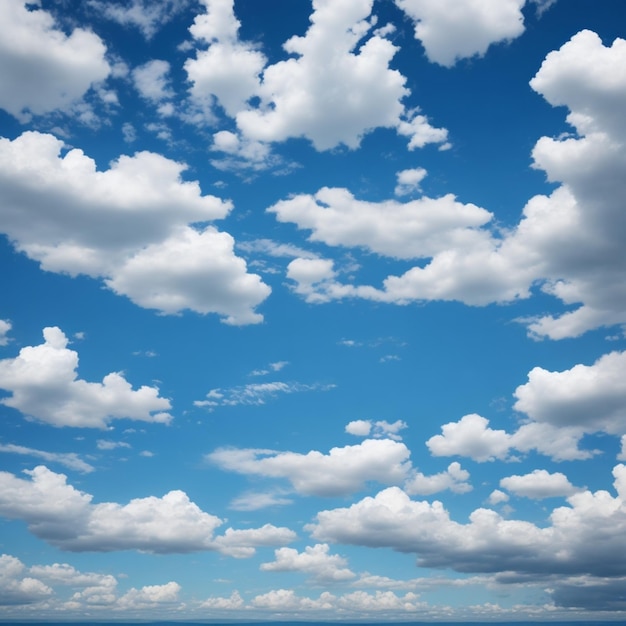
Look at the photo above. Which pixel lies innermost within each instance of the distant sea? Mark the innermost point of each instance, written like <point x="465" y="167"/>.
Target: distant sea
<point x="607" y="622"/>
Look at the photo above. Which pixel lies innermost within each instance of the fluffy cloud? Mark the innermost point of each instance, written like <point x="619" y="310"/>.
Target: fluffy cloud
<point x="228" y="70"/>
<point x="341" y="471"/>
<point x="355" y="92"/>
<point x="454" y="479"/>
<point x="409" y="181"/>
<point x="44" y="385"/>
<point x="451" y="30"/>
<point x="66" y="518"/>
<point x="149" y="596"/>
<point x="489" y="543"/>
<point x="15" y="588"/>
<point x="417" y="229"/>
<point x="380" y="428"/>
<point x="128" y="225"/>
<point x="41" y="68"/>
<point x="471" y="437"/>
<point x="539" y="484"/>
<point x="314" y="561"/>
<point x="569" y="243"/>
<point x="151" y="80"/>
<point x="591" y="397"/>
<point x="329" y="93"/>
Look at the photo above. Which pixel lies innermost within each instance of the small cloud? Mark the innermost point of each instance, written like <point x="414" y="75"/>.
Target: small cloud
<point x="104" y="444"/>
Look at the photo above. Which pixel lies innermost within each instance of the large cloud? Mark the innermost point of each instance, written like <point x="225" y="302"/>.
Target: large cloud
<point x="41" y="68"/>
<point x="489" y="543"/>
<point x="570" y="243"/>
<point x="65" y="517"/>
<point x="44" y="385"/>
<point x="559" y="409"/>
<point x="336" y="87"/>
<point x="456" y="29"/>
<point x="341" y="471"/>
<point x="130" y="225"/>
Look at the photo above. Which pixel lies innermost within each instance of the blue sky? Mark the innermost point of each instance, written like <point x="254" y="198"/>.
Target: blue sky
<point x="313" y="310"/>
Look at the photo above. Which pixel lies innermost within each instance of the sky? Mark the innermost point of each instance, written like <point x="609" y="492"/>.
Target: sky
<point x="313" y="310"/>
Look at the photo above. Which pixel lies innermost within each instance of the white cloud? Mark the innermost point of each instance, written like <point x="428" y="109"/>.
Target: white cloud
<point x="316" y="561"/>
<point x="119" y="225"/>
<point x="590" y="397"/>
<point x="378" y="429"/>
<point x="5" y="327"/>
<point x="340" y="472"/>
<point x="242" y="543"/>
<point x="409" y="181"/>
<point x="44" y="385"/>
<point x="471" y="437"/>
<point x="569" y="244"/>
<point x="149" y="596"/>
<point x="539" y="484"/>
<point x="456" y="29"/>
<point x="41" y="68"/>
<point x="360" y="428"/>
<point x="70" y="460"/>
<point x="454" y="479"/>
<point x="228" y="70"/>
<point x="416" y="229"/>
<point x="66" y="518"/>
<point x="330" y="92"/>
<point x="151" y="80"/>
<point x="15" y="588"/>
<point x="145" y="15"/>
<point x="234" y="601"/>
<point x="489" y="543"/>
<point x="497" y="497"/>
<point x="255" y="393"/>
<point x="104" y="444"/>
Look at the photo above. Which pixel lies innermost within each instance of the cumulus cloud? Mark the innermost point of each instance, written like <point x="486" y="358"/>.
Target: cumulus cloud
<point x="149" y="596"/>
<point x="454" y="478"/>
<point x="378" y="429"/>
<point x="340" y="472"/>
<point x="41" y="68"/>
<point x="489" y="543"/>
<point x="451" y="30"/>
<point x="409" y="181"/>
<point x="15" y="587"/>
<point x="568" y="244"/>
<point x="316" y="561"/>
<point x="539" y="484"/>
<point x="416" y="229"/>
<point x="44" y="386"/>
<point x="129" y="225"/>
<point x="58" y="513"/>
<point x="591" y="397"/>
<point x="471" y="437"/>
<point x="356" y="92"/>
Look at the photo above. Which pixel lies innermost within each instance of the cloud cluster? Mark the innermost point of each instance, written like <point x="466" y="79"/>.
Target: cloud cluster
<point x="442" y="26"/>
<point x="41" y="68"/>
<point x="58" y="513"/>
<point x="488" y="542"/>
<point x="561" y="407"/>
<point x="342" y="471"/>
<point x="44" y="386"/>
<point x="130" y="225"/>
<point x="569" y="243"/>
<point x="336" y="87"/>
